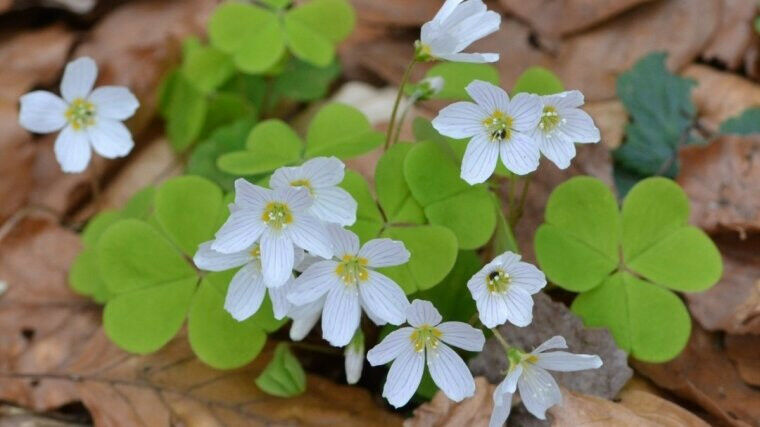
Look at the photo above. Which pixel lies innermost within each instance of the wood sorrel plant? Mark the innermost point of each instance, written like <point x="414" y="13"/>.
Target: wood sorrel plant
<point x="278" y="230"/>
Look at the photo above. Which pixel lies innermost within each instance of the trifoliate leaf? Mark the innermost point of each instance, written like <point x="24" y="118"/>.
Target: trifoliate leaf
<point x="302" y="81"/>
<point x="207" y="68"/>
<point x="225" y="108"/>
<point x="432" y="174"/>
<point x="650" y="322"/>
<point x="186" y="109"/>
<point x="307" y="44"/>
<point x="433" y="252"/>
<point x="84" y="276"/>
<point x="189" y="209"/>
<point x="392" y="191"/>
<point x="252" y="35"/>
<point x="283" y="376"/>
<point x="369" y="219"/>
<point x="331" y="19"/>
<point x="271" y="144"/>
<point x="537" y="80"/>
<point x="224" y="140"/>
<point x="140" y="205"/>
<point x="98" y="224"/>
<point x="457" y="75"/>
<point x="470" y="215"/>
<point x="747" y="123"/>
<point x="216" y="337"/>
<point x="342" y="131"/>
<point x="451" y="297"/>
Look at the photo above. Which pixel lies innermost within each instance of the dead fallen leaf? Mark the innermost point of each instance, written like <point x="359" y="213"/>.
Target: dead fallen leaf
<point x="610" y="117"/>
<point x="733" y="305"/>
<point x="397" y="13"/>
<point x="735" y="33"/>
<point x="704" y="375"/>
<point x="443" y="412"/>
<point x="744" y="350"/>
<point x="560" y="17"/>
<point x="720" y="95"/>
<point x="54" y="352"/>
<point x="635" y="409"/>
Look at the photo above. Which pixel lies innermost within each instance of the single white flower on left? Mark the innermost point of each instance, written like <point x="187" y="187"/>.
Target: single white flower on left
<point x="457" y="25"/>
<point x="86" y="117"/>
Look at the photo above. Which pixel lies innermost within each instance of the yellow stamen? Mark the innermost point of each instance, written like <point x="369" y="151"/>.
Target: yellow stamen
<point x="499" y="126"/>
<point x="549" y="119"/>
<point x="425" y="336"/>
<point x="498" y="281"/>
<point x="80" y="114"/>
<point x="303" y="183"/>
<point x="277" y="215"/>
<point x="352" y="270"/>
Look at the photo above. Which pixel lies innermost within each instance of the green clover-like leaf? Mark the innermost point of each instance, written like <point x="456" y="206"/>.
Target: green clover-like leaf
<point x="271" y="144"/>
<point x="625" y="264"/>
<point x="369" y="219"/>
<point x="393" y="193"/>
<point x="340" y="130"/>
<point x="283" y="376"/>
<point x="207" y="68"/>
<point x="184" y="107"/>
<point x="538" y="80"/>
<point x="457" y="75"/>
<point x="302" y="81"/>
<point x="226" y="139"/>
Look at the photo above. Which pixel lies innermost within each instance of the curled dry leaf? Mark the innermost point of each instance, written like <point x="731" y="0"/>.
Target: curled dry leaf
<point x="443" y="412"/>
<point x="55" y="352"/>
<point x="735" y="33"/>
<point x="704" y="375"/>
<point x="744" y="351"/>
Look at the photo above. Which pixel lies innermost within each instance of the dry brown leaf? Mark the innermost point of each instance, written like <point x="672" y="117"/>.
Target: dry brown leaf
<point x="735" y="33"/>
<point x="443" y="412"/>
<point x="703" y="374"/>
<point x="611" y="118"/>
<point x="54" y="352"/>
<point x="720" y="95"/>
<point x="397" y="13"/>
<point x="635" y="409"/>
<point x="744" y="350"/>
<point x="560" y="17"/>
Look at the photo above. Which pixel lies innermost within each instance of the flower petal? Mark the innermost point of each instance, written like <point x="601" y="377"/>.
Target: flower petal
<point x="372" y="316"/>
<point x="506" y="260"/>
<point x="354" y="363"/>
<point x="245" y="293"/>
<point x="475" y="27"/>
<point x="335" y="205"/>
<point x="552" y="343"/>
<point x="110" y="138"/>
<point x="341" y="315"/>
<point x="460" y="120"/>
<point x="519" y="306"/>
<point x="324" y="171"/>
<point x="450" y="373"/>
<point x="384" y="298"/>
<point x="404" y="376"/>
<point x="309" y="233"/>
<point x="502" y="406"/>
<point x="251" y="196"/>
<point x="276" y="258"/>
<point x="391" y="346"/>
<point x="538" y="391"/>
<point x="492" y="309"/>
<point x="314" y="283"/>
<point x="568" y="362"/>
<point x="304" y="318"/>
<point x="520" y="154"/>
<point x="208" y="259"/>
<point x="42" y="112"/>
<point x="525" y="109"/>
<point x="72" y="150"/>
<point x="239" y="232"/>
<point x="567" y="99"/>
<point x="527" y="277"/>
<point x="509" y="385"/>
<point x="489" y="96"/>
<point x="462" y="335"/>
<point x="479" y="159"/>
<point x="473" y="58"/>
<point x="279" y="297"/>
<point x="556" y="146"/>
<point x="384" y="252"/>
<point x="114" y="102"/>
<point x="297" y="198"/>
<point x="78" y="78"/>
<point x="344" y="242"/>
<point x="446" y="10"/>
<point x="422" y="312"/>
<point x="578" y="126"/>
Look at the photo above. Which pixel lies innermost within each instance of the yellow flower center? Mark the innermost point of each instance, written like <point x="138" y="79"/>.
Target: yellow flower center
<point x="425" y="336"/>
<point x="352" y="270"/>
<point x="256" y="251"/>
<point x="303" y="183"/>
<point x="499" y="126"/>
<point x="277" y="215"/>
<point x="81" y="114"/>
<point x="549" y="119"/>
<point x="422" y="52"/>
<point x="498" y="281"/>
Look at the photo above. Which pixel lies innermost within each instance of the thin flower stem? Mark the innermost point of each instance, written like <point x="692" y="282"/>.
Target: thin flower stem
<point x="404" y="79"/>
<point x="401" y="120"/>
<point x="501" y="339"/>
<point x="517" y="215"/>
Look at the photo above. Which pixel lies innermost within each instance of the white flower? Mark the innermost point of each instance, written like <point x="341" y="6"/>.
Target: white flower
<point x="528" y="373"/>
<point x="498" y="126"/>
<point x="247" y="287"/>
<point x="502" y="290"/>
<point x="427" y="88"/>
<point x="278" y="220"/>
<point x="562" y="124"/>
<point x="304" y="317"/>
<point x="350" y="284"/>
<point x="354" y="358"/>
<point x="407" y="347"/>
<point x="88" y="117"/>
<point x="457" y="25"/>
<point x="321" y="176"/>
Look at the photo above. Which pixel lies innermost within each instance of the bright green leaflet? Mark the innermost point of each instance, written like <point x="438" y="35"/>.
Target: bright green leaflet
<point x="224" y="140"/>
<point x="207" y="68"/>
<point x="503" y="239"/>
<point x="302" y="81"/>
<point x="369" y="219"/>
<point x="747" y="123"/>
<point x="537" y="80"/>
<point x="332" y="19"/>
<point x="283" y="376"/>
<point x="186" y="109"/>
<point x="278" y="4"/>
<point x="457" y="75"/>
<point x="393" y="193"/>
<point x="624" y="263"/>
<point x="340" y="130"/>
<point x="271" y="144"/>
<point x="226" y="108"/>
<point x="306" y="43"/>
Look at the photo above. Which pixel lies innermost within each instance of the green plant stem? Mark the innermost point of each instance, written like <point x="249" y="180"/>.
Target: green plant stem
<point x="404" y="79"/>
<point x="501" y="339"/>
<point x="518" y="212"/>
<point x="401" y="120"/>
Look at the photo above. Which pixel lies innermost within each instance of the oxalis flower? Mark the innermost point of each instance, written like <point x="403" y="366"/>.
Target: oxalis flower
<point x="528" y="373"/>
<point x="562" y="124"/>
<point x="427" y="336"/>
<point x="278" y="220"/>
<point x="354" y="358"/>
<point x="502" y="290"/>
<point x="321" y="176"/>
<point x="497" y="126"/>
<point x="457" y="25"/>
<point x="350" y="284"/>
<point x="247" y="287"/>
<point x="85" y="117"/>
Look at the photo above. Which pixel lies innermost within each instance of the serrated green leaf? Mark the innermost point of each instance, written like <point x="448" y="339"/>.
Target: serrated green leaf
<point x="224" y="140"/>
<point x="189" y="209"/>
<point x="307" y="44"/>
<point x="271" y="144"/>
<point x="331" y="19"/>
<point x="207" y="68"/>
<point x="283" y="376"/>
<point x="302" y="81"/>
<point x="457" y="75"/>
<point x="650" y="322"/>
<point x="217" y="338"/>
<point x="145" y="320"/>
<point x="470" y="215"/>
<point x="369" y="219"/>
<point x="538" y="80"/>
<point x="186" y="109"/>
<point x="747" y="123"/>
<point x="340" y="130"/>
<point x="393" y="193"/>
<point x="433" y="252"/>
